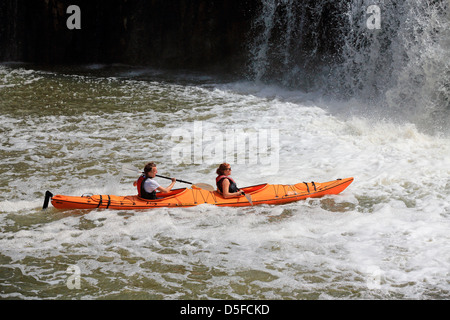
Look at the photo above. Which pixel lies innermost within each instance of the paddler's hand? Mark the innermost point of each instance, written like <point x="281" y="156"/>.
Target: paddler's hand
<point x="174" y="180"/>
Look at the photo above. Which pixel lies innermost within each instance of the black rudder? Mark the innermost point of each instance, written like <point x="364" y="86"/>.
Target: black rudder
<point x="48" y="196"/>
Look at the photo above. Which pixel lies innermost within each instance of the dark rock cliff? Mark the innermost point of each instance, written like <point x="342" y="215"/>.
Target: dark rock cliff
<point x="161" y="33"/>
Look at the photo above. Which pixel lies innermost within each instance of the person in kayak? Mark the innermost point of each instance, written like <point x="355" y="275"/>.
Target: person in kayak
<point x="147" y="187"/>
<point x="225" y="184"/>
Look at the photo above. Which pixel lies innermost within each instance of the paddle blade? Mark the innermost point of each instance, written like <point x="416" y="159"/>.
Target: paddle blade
<point x="204" y="186"/>
<point x="126" y="168"/>
<point x="249" y="198"/>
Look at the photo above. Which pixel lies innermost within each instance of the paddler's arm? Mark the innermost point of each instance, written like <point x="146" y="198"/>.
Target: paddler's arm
<point x="166" y="190"/>
<point x="226" y="187"/>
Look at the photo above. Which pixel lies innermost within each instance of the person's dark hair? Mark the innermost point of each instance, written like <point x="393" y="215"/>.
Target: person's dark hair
<point x="221" y="170"/>
<point x="148" y="167"/>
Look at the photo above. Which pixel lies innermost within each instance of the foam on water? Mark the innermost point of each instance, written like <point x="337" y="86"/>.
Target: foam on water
<point x="385" y="236"/>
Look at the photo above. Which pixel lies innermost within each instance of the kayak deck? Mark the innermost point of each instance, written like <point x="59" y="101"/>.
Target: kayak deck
<point x="185" y="197"/>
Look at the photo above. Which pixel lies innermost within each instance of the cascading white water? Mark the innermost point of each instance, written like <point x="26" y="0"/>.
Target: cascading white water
<point x="261" y="43"/>
<point x="402" y="66"/>
<point x="405" y="65"/>
<point x="283" y="46"/>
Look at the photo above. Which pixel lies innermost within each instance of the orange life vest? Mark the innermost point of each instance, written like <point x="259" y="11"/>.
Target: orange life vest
<point x="141" y="190"/>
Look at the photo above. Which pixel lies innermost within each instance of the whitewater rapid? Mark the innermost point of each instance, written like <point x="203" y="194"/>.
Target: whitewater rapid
<point x="385" y="236"/>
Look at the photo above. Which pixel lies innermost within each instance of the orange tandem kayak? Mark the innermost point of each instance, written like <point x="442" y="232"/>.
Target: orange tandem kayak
<point x="185" y="197"/>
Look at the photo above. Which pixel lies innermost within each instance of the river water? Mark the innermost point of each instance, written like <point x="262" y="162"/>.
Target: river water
<point x="70" y="130"/>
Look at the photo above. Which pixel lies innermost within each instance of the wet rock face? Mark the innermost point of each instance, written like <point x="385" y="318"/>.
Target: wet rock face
<point x="181" y="33"/>
<point x="171" y="34"/>
<point x="187" y="33"/>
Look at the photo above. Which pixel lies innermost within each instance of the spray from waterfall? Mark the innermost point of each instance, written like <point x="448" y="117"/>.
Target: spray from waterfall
<point x="402" y="65"/>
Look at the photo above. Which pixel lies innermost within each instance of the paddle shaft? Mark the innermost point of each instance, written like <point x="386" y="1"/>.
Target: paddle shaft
<point x="175" y="179"/>
<point x="132" y="170"/>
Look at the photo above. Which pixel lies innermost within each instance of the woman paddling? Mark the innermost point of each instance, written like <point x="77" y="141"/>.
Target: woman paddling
<point x="146" y="186"/>
<point x="225" y="184"/>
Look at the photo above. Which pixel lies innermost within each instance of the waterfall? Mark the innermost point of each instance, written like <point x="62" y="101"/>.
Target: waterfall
<point x="287" y="42"/>
<point x="403" y="65"/>
<point x="406" y="63"/>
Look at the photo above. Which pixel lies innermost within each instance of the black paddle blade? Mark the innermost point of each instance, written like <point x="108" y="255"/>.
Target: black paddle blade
<point x="48" y="196"/>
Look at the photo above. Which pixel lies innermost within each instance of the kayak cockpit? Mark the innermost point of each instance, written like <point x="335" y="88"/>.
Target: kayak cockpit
<point x="164" y="196"/>
<point x="255" y="188"/>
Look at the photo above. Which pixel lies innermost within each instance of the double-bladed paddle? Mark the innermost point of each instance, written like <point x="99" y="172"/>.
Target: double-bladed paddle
<point x="132" y="170"/>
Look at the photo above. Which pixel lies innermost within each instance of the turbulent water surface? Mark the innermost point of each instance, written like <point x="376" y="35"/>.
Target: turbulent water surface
<point x="377" y="109"/>
<point x="70" y="132"/>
